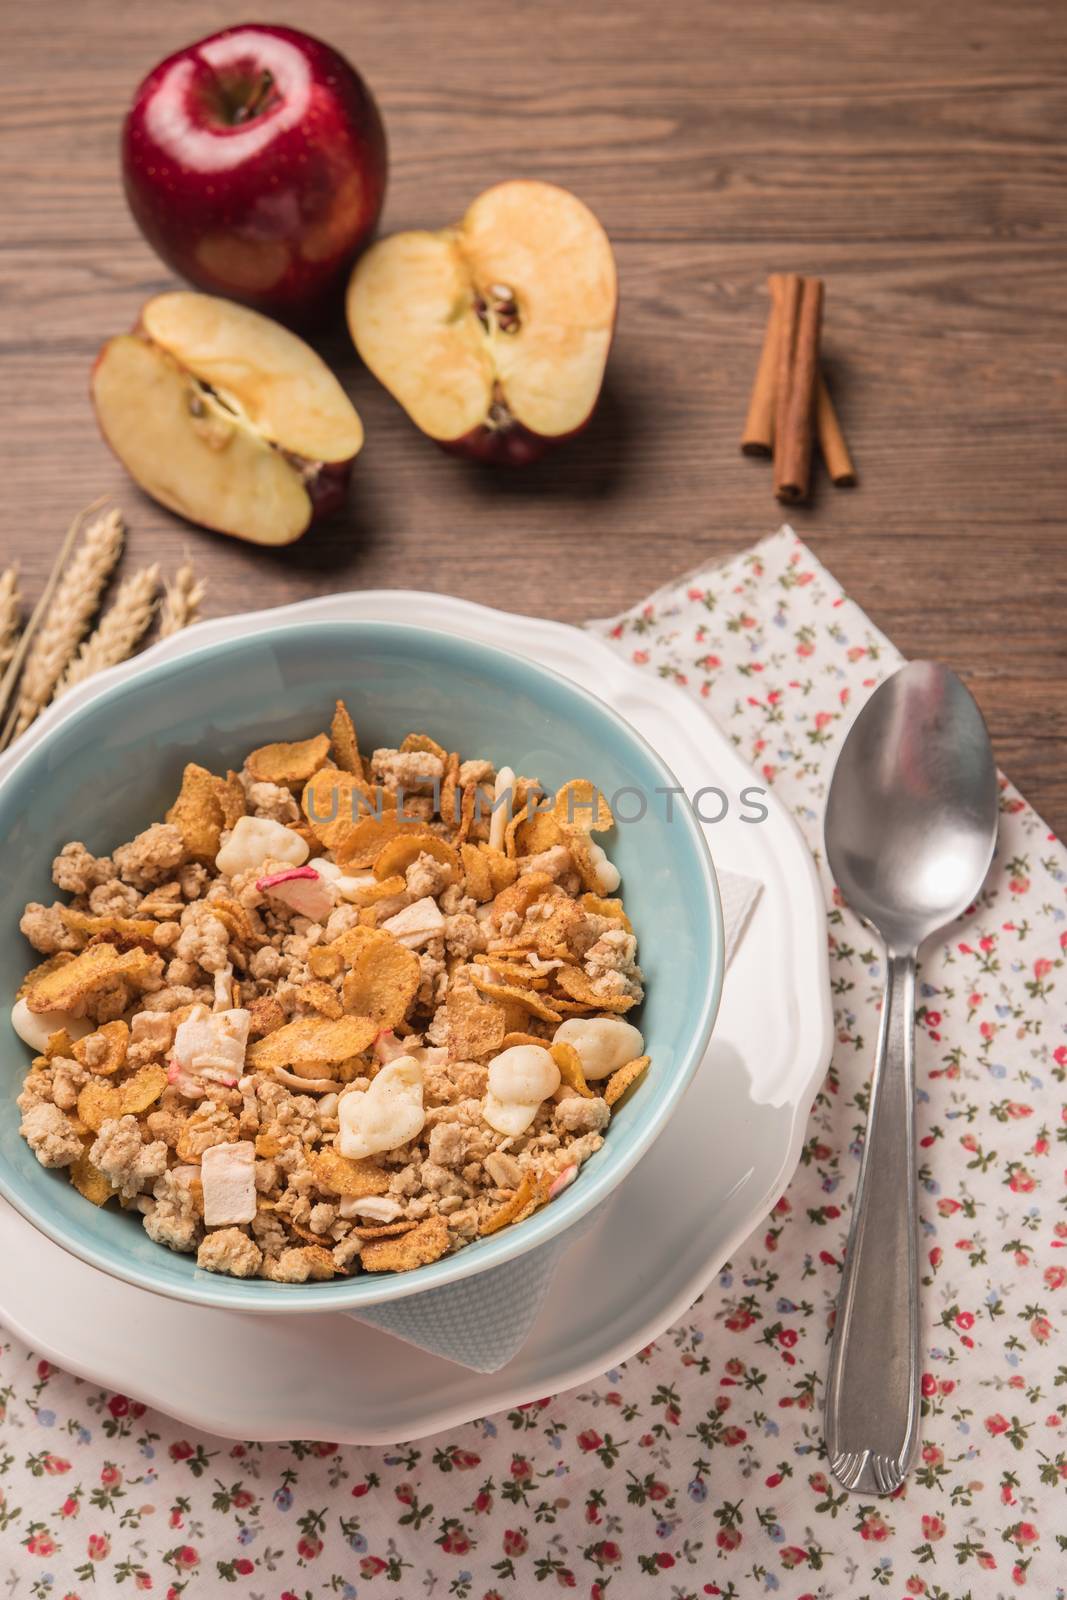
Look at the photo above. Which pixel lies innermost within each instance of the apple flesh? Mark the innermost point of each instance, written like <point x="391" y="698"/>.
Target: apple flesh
<point x="254" y="163"/>
<point x="493" y="335"/>
<point x="226" y="417"/>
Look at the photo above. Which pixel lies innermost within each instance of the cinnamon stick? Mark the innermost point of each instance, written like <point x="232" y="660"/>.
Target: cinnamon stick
<point x="831" y="439"/>
<point x="788" y="314"/>
<point x="798" y="369"/>
<point x="757" y="439"/>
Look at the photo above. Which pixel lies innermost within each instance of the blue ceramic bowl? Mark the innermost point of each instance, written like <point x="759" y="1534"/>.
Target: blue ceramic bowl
<point x="114" y="765"/>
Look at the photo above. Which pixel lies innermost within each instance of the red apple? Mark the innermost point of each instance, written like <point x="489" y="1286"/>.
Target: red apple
<point x="254" y="163"/>
<point x="493" y="335"/>
<point x="226" y="417"/>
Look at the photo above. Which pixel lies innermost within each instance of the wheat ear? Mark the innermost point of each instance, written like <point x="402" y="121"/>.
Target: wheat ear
<point x="182" y="600"/>
<point x="119" y="631"/>
<point x="10" y="609"/>
<point x="69" y="615"/>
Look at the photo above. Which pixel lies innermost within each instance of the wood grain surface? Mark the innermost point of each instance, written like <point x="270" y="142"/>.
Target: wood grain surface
<point x="913" y="155"/>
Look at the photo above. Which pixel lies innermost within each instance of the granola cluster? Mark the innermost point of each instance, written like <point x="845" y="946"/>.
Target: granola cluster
<point x="334" y="1013"/>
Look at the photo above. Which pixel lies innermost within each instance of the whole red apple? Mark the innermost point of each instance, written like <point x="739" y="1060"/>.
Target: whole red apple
<point x="254" y="162"/>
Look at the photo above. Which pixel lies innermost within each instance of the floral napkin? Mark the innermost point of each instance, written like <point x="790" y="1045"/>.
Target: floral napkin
<point x="696" y="1468"/>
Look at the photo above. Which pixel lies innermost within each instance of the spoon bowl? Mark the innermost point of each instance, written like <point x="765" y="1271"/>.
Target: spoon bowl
<point x="912" y="813"/>
<point x="911" y="827"/>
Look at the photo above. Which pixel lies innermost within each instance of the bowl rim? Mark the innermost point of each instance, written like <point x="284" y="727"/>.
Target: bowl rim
<point x="350" y="1294"/>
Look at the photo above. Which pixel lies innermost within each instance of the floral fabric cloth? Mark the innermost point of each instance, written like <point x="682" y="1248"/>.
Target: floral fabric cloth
<point x="696" y="1468"/>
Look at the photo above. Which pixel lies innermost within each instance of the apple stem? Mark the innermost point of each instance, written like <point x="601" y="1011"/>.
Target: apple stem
<point x="253" y="106"/>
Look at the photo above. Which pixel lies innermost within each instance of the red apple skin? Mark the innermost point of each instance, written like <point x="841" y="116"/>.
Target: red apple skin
<point x="254" y="163"/>
<point x="511" y="446"/>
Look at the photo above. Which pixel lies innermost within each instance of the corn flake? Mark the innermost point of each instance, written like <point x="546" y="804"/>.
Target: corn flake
<point x="289" y="763"/>
<point x="104" y="1051"/>
<point x="68" y="986"/>
<point x="415" y="743"/>
<point x="597" y="906"/>
<point x="580" y="986"/>
<point x="92" y="1184"/>
<point x="344" y="745"/>
<point x="526" y="998"/>
<point x="231" y="797"/>
<point x="396" y="857"/>
<point x="99" y="1103"/>
<point x="197" y="813"/>
<point x="354" y="1180"/>
<point x="477" y="879"/>
<point x="474" y="1028"/>
<point x="569" y="1063"/>
<point x="142" y="1090"/>
<point x="526" y="1193"/>
<point x="382" y="982"/>
<point x="624" y="1079"/>
<point x="414" y="1249"/>
<point x="118" y="930"/>
<point x="580" y="807"/>
<point x="519" y="896"/>
<point x="312" y="1041"/>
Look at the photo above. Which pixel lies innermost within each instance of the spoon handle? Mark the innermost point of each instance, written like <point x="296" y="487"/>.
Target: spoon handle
<point x="872" y="1388"/>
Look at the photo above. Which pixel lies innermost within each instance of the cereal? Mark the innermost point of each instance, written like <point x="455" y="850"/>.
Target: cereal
<point x="231" y="797"/>
<point x="104" y="1051"/>
<point x="98" y="1103"/>
<point x="395" y="857"/>
<point x="142" y="1090"/>
<point x="337" y="1174"/>
<point x="333" y="1016"/>
<point x="197" y="814"/>
<point x="621" y="1081"/>
<point x="90" y="1182"/>
<point x="288" y="763"/>
<point x="121" y="929"/>
<point x="381" y="982"/>
<point x="474" y="1028"/>
<point x="415" y="1249"/>
<point x="511" y="1210"/>
<point x="344" y="746"/>
<point x="526" y="998"/>
<point x="67" y="987"/>
<point x="569" y="1063"/>
<point x="579" y="986"/>
<point x="312" y="1041"/>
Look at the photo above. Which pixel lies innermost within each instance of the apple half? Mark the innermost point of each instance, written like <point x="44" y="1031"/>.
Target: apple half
<point x="227" y="418"/>
<point x="493" y="335"/>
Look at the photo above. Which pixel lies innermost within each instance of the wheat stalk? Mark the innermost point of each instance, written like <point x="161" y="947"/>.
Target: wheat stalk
<point x="10" y="604"/>
<point x="119" y="630"/>
<point x="182" y="600"/>
<point x="76" y="598"/>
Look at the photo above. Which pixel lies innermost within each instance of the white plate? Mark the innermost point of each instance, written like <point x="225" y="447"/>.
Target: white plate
<point x="710" y="1178"/>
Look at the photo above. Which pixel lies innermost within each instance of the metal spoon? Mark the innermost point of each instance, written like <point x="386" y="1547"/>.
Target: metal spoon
<point x="911" y="825"/>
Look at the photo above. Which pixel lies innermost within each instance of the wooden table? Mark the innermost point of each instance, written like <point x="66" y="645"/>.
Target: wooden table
<point x="914" y="155"/>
